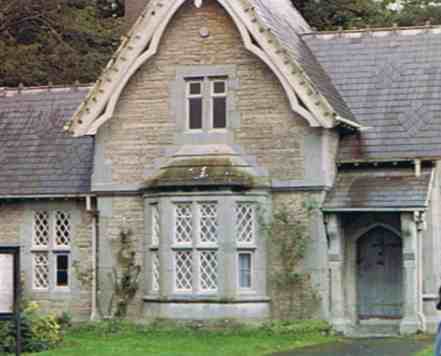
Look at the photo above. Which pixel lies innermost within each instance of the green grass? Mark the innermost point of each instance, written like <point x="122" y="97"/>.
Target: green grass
<point x="426" y="352"/>
<point x="174" y="341"/>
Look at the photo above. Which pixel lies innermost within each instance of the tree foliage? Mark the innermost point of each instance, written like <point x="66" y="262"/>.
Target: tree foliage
<point x="61" y="41"/>
<point x="347" y="14"/>
<point x="58" y="41"/>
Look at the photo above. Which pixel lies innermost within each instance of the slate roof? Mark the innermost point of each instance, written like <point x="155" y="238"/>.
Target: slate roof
<point x="391" y="80"/>
<point x="36" y="156"/>
<point x="379" y="188"/>
<point x="287" y="24"/>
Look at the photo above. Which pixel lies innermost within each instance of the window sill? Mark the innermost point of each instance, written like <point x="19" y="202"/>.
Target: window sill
<point x="206" y="299"/>
<point x="246" y="247"/>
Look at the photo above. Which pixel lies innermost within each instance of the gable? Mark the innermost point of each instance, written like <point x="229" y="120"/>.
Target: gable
<point x="142" y="44"/>
<point x="148" y="126"/>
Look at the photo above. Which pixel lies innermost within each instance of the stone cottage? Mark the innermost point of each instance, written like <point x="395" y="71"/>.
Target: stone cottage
<point x="212" y="117"/>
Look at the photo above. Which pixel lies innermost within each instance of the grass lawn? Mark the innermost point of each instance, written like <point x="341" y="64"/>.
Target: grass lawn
<point x="427" y="352"/>
<point x="142" y="341"/>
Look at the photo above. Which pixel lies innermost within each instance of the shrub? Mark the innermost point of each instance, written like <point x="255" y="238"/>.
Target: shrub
<point x="39" y="332"/>
<point x="301" y="327"/>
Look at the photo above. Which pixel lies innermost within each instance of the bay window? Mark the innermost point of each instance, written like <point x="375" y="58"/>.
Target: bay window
<point x="202" y="246"/>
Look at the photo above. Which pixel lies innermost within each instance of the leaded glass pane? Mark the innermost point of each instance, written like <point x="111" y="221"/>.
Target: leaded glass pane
<point x="63" y="229"/>
<point x="208" y="271"/>
<point x="183" y="271"/>
<point x="245" y="223"/>
<point x="41" y="270"/>
<point x="209" y="225"/>
<point x="155" y="224"/>
<point x="184" y="225"/>
<point x="41" y="229"/>
<point x="155" y="271"/>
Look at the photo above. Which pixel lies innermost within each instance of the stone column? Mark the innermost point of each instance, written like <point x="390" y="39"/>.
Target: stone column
<point x="409" y="235"/>
<point x="336" y="269"/>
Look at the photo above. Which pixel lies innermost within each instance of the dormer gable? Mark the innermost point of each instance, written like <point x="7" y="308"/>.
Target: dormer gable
<point x="263" y="32"/>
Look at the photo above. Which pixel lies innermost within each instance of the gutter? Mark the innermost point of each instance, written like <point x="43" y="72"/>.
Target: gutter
<point x="93" y="213"/>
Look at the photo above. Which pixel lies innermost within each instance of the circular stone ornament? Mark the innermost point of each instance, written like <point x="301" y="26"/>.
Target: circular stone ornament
<point x="204" y="32"/>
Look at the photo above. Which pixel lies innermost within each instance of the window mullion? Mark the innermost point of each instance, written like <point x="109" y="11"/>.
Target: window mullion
<point x="206" y="94"/>
<point x="195" y="245"/>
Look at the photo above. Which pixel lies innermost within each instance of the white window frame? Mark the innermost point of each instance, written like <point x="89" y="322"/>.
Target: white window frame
<point x="189" y="96"/>
<point x="49" y="231"/>
<point x="181" y="290"/>
<point x="252" y="243"/>
<point x="155" y="246"/>
<point x="214" y="95"/>
<point x="252" y="271"/>
<point x="155" y="287"/>
<point x="195" y="247"/>
<point x="155" y="239"/>
<point x="57" y="253"/>
<point x="52" y="250"/>
<point x="33" y="254"/>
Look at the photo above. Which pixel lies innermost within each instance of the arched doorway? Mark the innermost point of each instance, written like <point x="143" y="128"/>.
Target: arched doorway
<point x="379" y="275"/>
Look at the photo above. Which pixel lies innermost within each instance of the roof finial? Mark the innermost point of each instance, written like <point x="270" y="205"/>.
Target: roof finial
<point x="198" y="3"/>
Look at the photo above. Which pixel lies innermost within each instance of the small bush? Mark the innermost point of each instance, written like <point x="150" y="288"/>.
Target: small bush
<point x="301" y="327"/>
<point x="39" y="333"/>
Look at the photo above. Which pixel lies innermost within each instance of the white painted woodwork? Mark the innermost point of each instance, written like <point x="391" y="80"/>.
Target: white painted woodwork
<point x="6" y="283"/>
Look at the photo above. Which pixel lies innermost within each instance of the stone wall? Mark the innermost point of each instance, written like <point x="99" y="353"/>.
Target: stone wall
<point x="310" y="298"/>
<point x="16" y="228"/>
<point x="115" y="214"/>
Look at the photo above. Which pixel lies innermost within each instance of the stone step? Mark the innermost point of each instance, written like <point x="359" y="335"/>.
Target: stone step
<point x="375" y="331"/>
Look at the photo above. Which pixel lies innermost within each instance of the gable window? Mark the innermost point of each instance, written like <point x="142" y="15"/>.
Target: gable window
<point x="51" y="247"/>
<point x="206" y="101"/>
<point x="195" y="104"/>
<point x="219" y="104"/>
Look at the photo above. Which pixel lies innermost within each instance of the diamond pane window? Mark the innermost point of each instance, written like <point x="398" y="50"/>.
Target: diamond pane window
<point x="155" y="271"/>
<point x="62" y="229"/>
<point x="41" y="229"/>
<point x="208" y="271"/>
<point x="183" y="271"/>
<point x="41" y="270"/>
<point x="209" y="225"/>
<point x="245" y="223"/>
<point x="155" y="225"/>
<point x="184" y="225"/>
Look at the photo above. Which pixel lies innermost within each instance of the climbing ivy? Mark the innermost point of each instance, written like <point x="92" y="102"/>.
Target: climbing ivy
<point x="288" y="237"/>
<point x="124" y="276"/>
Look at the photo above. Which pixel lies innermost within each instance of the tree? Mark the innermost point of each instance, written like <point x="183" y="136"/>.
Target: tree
<point x="58" y="41"/>
<point x="332" y="14"/>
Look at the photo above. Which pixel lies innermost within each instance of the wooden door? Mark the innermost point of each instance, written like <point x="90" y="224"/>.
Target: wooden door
<point x="379" y="275"/>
